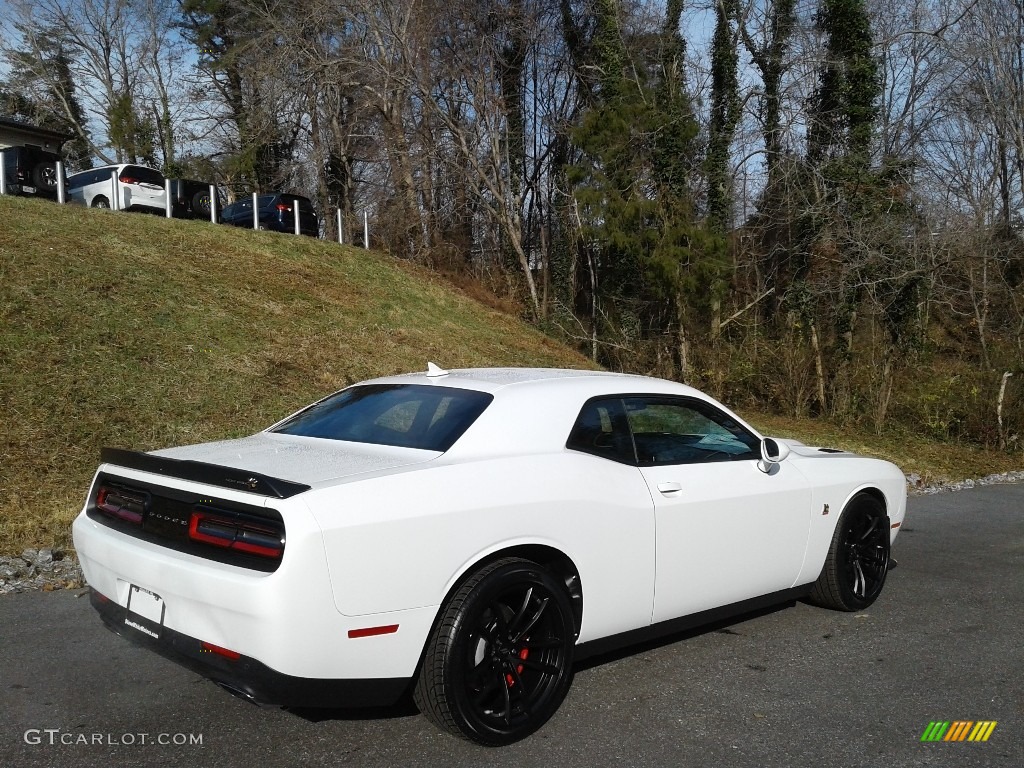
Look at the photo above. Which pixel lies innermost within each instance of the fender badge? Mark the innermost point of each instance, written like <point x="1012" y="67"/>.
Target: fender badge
<point x="825" y="510"/>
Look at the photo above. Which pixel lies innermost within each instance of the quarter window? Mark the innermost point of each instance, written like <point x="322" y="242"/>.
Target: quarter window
<point x="601" y="429"/>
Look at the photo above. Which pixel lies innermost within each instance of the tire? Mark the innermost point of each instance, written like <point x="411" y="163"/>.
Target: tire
<point x="100" y="202"/>
<point x="44" y="176"/>
<point x="499" y="663"/>
<point x="858" y="558"/>
<point x="201" y="204"/>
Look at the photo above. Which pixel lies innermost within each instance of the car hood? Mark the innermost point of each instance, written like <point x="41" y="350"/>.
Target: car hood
<point x="308" y="460"/>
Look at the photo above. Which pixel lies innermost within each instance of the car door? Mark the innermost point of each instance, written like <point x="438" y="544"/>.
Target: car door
<point x="726" y="530"/>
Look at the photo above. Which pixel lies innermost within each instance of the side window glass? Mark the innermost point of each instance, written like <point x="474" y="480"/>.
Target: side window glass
<point x="601" y="430"/>
<point x="679" y="431"/>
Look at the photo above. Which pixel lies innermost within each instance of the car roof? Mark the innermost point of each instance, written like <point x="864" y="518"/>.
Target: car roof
<point x="493" y="380"/>
<point x="534" y="408"/>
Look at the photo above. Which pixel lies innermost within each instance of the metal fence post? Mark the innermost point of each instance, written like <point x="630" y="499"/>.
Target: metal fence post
<point x="167" y="198"/>
<point x="341" y="240"/>
<point x="255" y="213"/>
<point x="62" y="192"/>
<point x="115" y="189"/>
<point x="295" y="210"/>
<point x="3" y="174"/>
<point x="366" y="231"/>
<point x="213" y="204"/>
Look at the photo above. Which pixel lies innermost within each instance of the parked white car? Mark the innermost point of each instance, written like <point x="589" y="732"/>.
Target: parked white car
<point x="468" y="535"/>
<point x="141" y="188"/>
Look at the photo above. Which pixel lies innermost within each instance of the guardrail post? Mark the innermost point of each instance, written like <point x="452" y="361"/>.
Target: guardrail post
<point x="213" y="204"/>
<point x="341" y="240"/>
<point x="3" y="174"/>
<point x="366" y="230"/>
<point x="295" y="210"/>
<point x="62" y="192"/>
<point x="255" y="213"/>
<point x="168" y="207"/>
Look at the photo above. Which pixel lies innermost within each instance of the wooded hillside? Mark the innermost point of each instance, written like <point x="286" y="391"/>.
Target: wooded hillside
<point x="808" y="205"/>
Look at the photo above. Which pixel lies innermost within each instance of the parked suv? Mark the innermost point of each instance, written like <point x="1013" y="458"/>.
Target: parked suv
<point x="276" y="212"/>
<point x="142" y="189"/>
<point x="31" y="171"/>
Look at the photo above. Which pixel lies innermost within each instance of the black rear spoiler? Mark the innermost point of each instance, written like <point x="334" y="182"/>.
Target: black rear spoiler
<point x="201" y="472"/>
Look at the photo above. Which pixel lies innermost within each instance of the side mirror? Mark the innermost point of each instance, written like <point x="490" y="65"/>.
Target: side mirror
<point x="772" y="452"/>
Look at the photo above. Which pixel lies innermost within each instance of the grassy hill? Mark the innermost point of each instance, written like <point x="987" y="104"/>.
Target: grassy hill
<point x="135" y="331"/>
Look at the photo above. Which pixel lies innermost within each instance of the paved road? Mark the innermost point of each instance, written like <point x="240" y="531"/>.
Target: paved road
<point x="793" y="687"/>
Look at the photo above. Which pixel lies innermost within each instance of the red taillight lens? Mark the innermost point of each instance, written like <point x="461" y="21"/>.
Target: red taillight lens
<point x="237" y="532"/>
<point x="121" y="504"/>
<point x="129" y="180"/>
<point x="283" y="207"/>
<point x="227" y="654"/>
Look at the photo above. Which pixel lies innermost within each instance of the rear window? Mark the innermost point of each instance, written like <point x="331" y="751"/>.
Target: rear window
<point x="137" y="174"/>
<point x="404" y="415"/>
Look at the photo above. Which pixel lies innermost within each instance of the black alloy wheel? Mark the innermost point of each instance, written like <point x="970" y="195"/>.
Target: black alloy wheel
<point x="500" y="661"/>
<point x="858" y="558"/>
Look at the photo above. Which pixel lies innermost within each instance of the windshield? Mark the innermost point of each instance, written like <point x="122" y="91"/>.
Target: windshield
<point x="404" y="415"/>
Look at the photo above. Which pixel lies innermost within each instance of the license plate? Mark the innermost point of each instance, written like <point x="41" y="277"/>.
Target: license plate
<point x="28" y="190"/>
<point x="145" y="611"/>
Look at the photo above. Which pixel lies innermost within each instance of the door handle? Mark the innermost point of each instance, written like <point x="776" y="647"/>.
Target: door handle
<point x="670" y="488"/>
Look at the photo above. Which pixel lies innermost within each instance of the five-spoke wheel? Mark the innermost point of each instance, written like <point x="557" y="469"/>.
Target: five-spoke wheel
<point x="500" y="661"/>
<point x="858" y="558"/>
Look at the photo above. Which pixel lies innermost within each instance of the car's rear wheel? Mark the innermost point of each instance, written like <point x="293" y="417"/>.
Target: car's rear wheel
<point x="100" y="202"/>
<point x="858" y="558"/>
<point x="500" y="661"/>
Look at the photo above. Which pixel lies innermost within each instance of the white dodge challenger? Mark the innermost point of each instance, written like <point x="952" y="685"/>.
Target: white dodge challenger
<point x="467" y="535"/>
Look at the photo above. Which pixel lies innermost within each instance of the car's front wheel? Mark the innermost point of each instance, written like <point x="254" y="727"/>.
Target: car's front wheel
<point x="858" y="558"/>
<point x="500" y="661"/>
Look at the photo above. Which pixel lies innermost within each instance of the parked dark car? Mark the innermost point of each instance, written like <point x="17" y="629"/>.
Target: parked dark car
<point x="276" y="213"/>
<point x="31" y="171"/>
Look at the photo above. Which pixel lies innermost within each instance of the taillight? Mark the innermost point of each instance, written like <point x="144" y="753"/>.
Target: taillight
<point x="129" y="180"/>
<point x="283" y="207"/>
<point x="241" y="533"/>
<point x="121" y="504"/>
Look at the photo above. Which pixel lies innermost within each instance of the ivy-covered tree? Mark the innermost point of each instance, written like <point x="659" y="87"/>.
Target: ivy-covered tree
<point x="725" y="112"/>
<point x="845" y="106"/>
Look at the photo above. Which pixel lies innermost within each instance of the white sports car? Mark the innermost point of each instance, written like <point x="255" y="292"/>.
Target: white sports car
<point x="468" y="535"/>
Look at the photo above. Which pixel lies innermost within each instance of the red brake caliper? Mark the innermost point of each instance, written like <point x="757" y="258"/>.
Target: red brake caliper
<point x="519" y="668"/>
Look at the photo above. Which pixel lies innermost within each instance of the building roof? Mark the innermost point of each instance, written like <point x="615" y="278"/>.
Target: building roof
<point x="19" y="125"/>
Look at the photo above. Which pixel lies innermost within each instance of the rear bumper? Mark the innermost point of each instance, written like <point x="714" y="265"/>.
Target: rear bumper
<point x="248" y="677"/>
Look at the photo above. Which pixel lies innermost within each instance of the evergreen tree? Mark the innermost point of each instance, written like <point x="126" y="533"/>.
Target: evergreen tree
<point x="654" y="265"/>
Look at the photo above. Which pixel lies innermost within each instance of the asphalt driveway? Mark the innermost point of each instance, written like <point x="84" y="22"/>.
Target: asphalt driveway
<point x="796" y="686"/>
